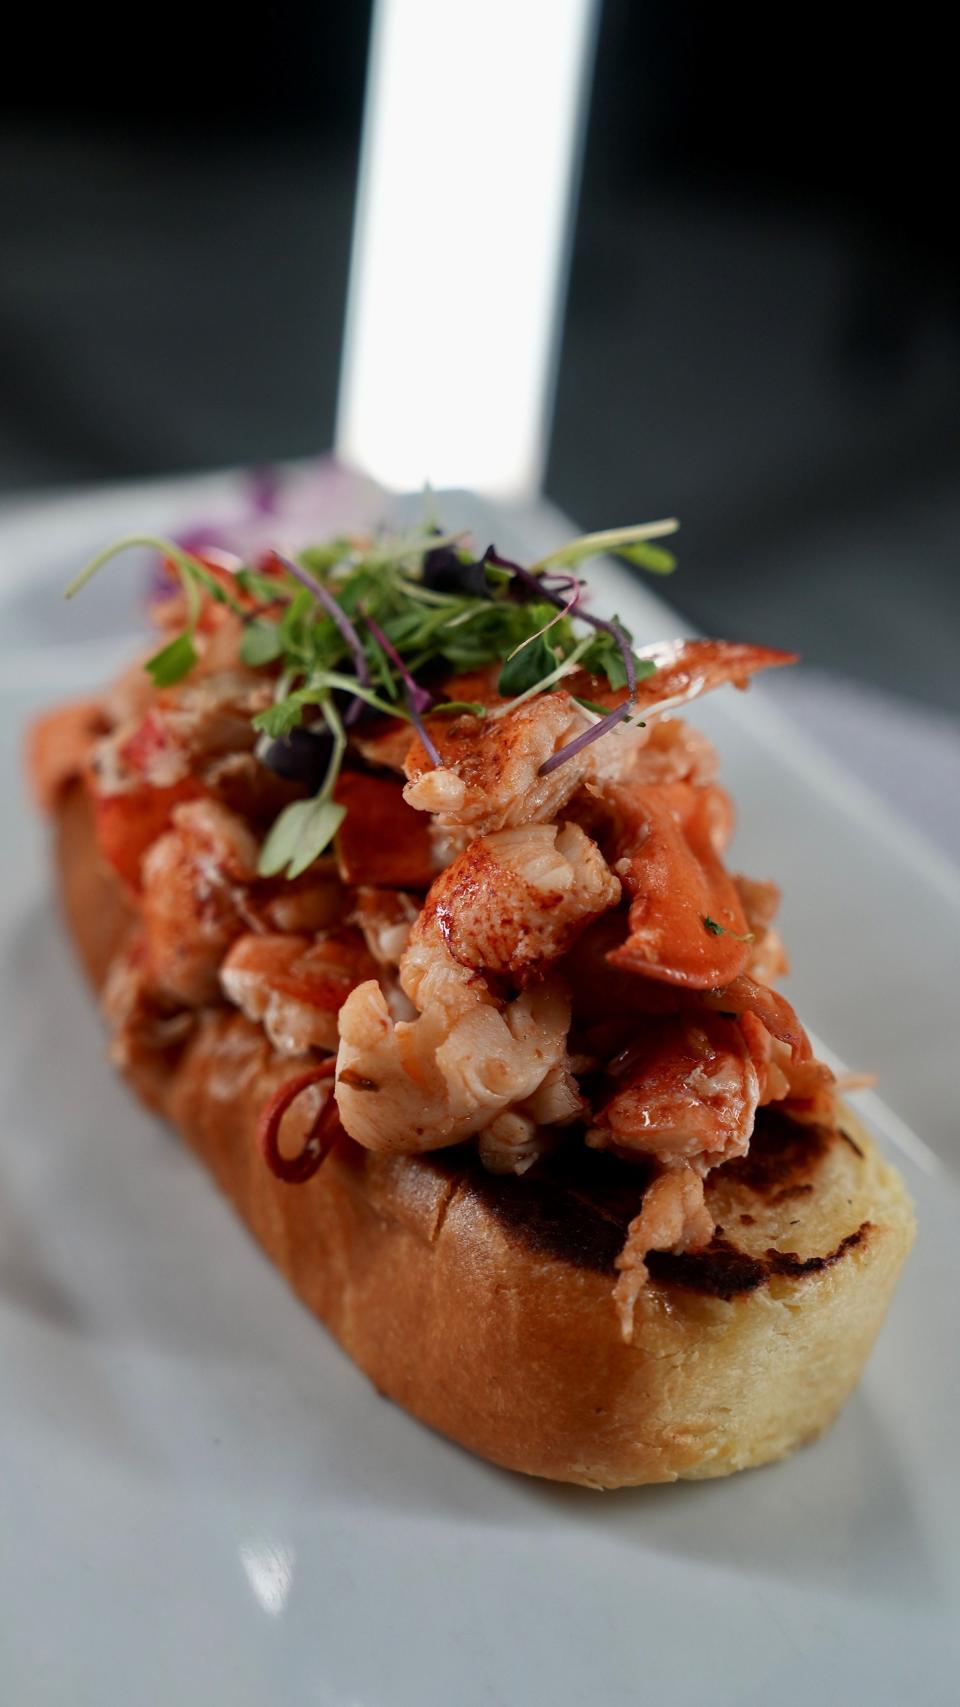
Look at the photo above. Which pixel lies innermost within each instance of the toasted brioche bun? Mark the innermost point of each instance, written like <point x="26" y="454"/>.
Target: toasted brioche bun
<point x="484" y="1305"/>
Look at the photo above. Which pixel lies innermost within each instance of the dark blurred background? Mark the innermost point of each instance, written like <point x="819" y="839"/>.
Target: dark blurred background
<point x="763" y="332"/>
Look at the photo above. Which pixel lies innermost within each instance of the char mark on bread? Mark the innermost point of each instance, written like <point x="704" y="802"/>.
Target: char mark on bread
<point x="576" y="1205"/>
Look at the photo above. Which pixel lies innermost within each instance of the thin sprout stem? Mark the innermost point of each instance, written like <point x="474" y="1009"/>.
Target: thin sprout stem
<point x="187" y="566"/>
<point x="191" y="593"/>
<point x="569" y="607"/>
<point x="416" y="697"/>
<point x="424" y="595"/>
<point x="466" y="615"/>
<point x="416" y="545"/>
<point x="151" y="541"/>
<point x="335" y="725"/>
<point x="335" y="612"/>
<point x="604" y="726"/>
<point x="333" y="679"/>
<point x="610" y="539"/>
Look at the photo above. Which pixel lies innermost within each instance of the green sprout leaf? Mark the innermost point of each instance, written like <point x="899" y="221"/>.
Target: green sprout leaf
<point x="527" y="667"/>
<point x="724" y="930"/>
<point x="604" y="658"/>
<point x="604" y="711"/>
<point x="652" y="557"/>
<point x="278" y="719"/>
<point x="300" y="835"/>
<point x="261" y="643"/>
<point x="172" y="662"/>
<point x="267" y="588"/>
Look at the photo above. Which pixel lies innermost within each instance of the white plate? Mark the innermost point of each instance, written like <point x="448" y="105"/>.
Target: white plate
<point x="203" y="1502"/>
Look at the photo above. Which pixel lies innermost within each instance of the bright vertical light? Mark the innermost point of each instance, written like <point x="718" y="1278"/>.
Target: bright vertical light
<point x="470" y="153"/>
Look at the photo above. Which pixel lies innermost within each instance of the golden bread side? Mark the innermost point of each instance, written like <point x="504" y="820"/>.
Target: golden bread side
<point x="484" y="1305"/>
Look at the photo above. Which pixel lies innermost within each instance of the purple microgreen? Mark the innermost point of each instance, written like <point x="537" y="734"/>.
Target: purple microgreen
<point x="425" y="741"/>
<point x="595" y="733"/>
<point x="335" y="612"/>
<point x="423" y="589"/>
<point x="521" y="578"/>
<point x="417" y="698"/>
<point x="539" y="585"/>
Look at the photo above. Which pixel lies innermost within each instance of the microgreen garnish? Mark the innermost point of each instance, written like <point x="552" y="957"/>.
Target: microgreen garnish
<point x="631" y="543"/>
<point x="527" y="665"/>
<point x="305" y="829"/>
<point x="300" y="835"/>
<point x="261" y="643"/>
<point x="724" y="930"/>
<point x="473" y="706"/>
<point x="348" y="628"/>
<point x="178" y="657"/>
<point x="417" y="698"/>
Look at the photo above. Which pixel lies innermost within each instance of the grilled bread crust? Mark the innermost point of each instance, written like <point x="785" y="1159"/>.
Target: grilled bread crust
<point x="484" y="1305"/>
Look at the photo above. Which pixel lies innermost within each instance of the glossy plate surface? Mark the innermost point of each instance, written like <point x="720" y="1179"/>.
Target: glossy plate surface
<point x="203" y="1502"/>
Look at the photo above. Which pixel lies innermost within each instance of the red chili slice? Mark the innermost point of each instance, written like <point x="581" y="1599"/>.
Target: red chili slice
<point x="296" y="1170"/>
